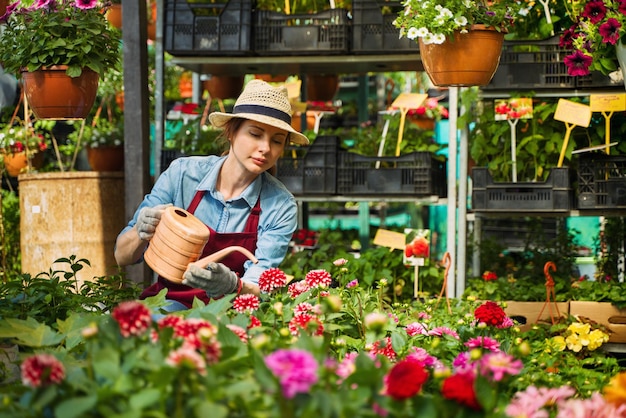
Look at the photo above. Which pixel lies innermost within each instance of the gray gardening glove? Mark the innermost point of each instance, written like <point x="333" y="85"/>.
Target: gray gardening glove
<point x="148" y="220"/>
<point x="216" y="279"/>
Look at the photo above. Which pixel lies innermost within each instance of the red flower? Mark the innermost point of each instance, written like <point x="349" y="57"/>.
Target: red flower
<point x="246" y="303"/>
<point x="595" y="11"/>
<point x="405" y="379"/>
<point x="577" y="63"/>
<point x="133" y="318"/>
<point x="610" y="31"/>
<point x="318" y="278"/>
<point x="490" y="313"/>
<point x="489" y="275"/>
<point x="460" y="388"/>
<point x="42" y="370"/>
<point x="297" y="288"/>
<point x="271" y="279"/>
<point x="386" y="349"/>
<point x="254" y="322"/>
<point x="307" y="322"/>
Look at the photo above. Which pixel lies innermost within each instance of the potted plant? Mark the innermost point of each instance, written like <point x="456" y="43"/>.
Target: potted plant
<point x="103" y="140"/>
<point x="21" y="147"/>
<point x="468" y="34"/>
<point x="62" y="41"/>
<point x="594" y="37"/>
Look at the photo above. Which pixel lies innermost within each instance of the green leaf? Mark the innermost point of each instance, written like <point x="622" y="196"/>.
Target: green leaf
<point x="75" y="407"/>
<point x="29" y="332"/>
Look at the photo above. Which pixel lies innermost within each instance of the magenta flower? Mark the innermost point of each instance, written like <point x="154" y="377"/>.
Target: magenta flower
<point x="439" y="331"/>
<point x="42" y="370"/>
<point x="296" y="370"/>
<point x="86" y="4"/>
<point x="578" y="63"/>
<point x="296" y="289"/>
<point x="595" y="11"/>
<point x="416" y="328"/>
<point x="610" y="31"/>
<point x="352" y="283"/>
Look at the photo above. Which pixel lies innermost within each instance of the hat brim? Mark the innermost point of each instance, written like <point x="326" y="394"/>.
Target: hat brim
<point x="219" y="119"/>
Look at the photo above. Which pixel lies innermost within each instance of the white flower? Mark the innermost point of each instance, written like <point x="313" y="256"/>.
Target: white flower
<point x="412" y="33"/>
<point x="460" y="21"/>
<point x="421" y="32"/>
<point x="438" y="38"/>
<point x="445" y="13"/>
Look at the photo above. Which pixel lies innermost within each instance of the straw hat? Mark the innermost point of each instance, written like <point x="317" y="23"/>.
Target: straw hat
<point x="263" y="103"/>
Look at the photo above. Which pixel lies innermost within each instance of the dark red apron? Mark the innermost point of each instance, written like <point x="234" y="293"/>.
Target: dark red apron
<point x="234" y="261"/>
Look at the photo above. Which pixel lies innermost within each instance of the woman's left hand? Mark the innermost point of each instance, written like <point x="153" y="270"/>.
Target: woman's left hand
<point x="216" y="279"/>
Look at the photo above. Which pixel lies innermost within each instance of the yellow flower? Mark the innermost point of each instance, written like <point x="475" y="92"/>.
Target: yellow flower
<point x="557" y="343"/>
<point x="574" y="343"/>
<point x="615" y="391"/>
<point x="579" y="328"/>
<point x="596" y="339"/>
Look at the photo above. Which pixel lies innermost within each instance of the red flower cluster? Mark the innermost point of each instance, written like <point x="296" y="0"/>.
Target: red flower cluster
<point x="384" y="348"/>
<point x="405" y="379"/>
<point x="42" y="370"/>
<point x="460" y="388"/>
<point x="420" y="247"/>
<point x="133" y="318"/>
<point x="305" y="237"/>
<point x="307" y="322"/>
<point x="490" y="313"/>
<point x="271" y="279"/>
<point x="246" y="303"/>
<point x="489" y="275"/>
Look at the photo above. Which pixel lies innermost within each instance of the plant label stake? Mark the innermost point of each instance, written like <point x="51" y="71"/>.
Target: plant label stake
<point x="607" y="104"/>
<point x="546" y="10"/>
<point x="416" y="251"/>
<point x="512" y="110"/>
<point x="406" y="102"/>
<point x="572" y="114"/>
<point x="383" y="139"/>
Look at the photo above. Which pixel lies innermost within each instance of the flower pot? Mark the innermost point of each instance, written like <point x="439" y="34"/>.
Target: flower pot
<point x="106" y="158"/>
<point x="270" y="78"/>
<point x="52" y="94"/>
<point x="321" y="88"/>
<point x="224" y="87"/>
<point x="114" y="15"/>
<point x="427" y="124"/>
<point x="16" y="163"/>
<point x="471" y="59"/>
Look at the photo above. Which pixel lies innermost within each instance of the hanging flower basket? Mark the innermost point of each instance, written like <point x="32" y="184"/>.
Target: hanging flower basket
<point x="470" y="59"/>
<point x="52" y="94"/>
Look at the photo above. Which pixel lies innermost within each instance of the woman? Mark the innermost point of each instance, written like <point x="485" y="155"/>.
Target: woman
<point x="234" y="195"/>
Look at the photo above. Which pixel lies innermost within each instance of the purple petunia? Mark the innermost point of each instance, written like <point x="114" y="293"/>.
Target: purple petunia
<point x="295" y="369"/>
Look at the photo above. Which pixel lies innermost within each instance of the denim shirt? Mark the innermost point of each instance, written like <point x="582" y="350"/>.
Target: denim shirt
<point x="277" y="222"/>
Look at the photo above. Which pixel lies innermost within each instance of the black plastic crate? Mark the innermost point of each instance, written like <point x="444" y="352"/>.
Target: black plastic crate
<point x="554" y="195"/>
<point x="539" y="65"/>
<point x="601" y="181"/>
<point x="416" y="174"/>
<point x="312" y="169"/>
<point x="326" y="32"/>
<point x="204" y="28"/>
<point x="373" y="31"/>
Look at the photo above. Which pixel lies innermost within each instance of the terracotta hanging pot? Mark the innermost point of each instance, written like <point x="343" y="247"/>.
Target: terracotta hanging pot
<point x="224" y="87"/>
<point x="471" y="59"/>
<point x="271" y="78"/>
<point x="52" y="94"/>
<point x="152" y="20"/>
<point x="16" y="163"/>
<point x="321" y="88"/>
<point x="114" y="15"/>
<point x="106" y="158"/>
<point x="178" y="241"/>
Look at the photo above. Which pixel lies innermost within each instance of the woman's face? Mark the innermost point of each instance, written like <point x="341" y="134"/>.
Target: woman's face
<point x="257" y="146"/>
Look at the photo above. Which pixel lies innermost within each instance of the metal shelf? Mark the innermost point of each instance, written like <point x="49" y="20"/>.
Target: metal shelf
<point x="301" y="64"/>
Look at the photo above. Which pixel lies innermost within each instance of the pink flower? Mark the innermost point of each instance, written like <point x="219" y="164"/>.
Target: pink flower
<point x="296" y="289"/>
<point x="240" y="332"/>
<point x="246" y="303"/>
<point x="610" y="31"/>
<point x="133" y="318"/>
<point x="416" y="328"/>
<point x="187" y="357"/>
<point x="271" y="279"/>
<point x="578" y="63"/>
<point x="86" y="4"/>
<point x="384" y="348"/>
<point x="423" y="357"/>
<point x="347" y="366"/>
<point x="42" y="370"/>
<point x="483" y="342"/>
<point x="318" y="278"/>
<point x="500" y="364"/>
<point x="439" y="331"/>
<point x="296" y="370"/>
<point x="340" y="262"/>
<point x="352" y="283"/>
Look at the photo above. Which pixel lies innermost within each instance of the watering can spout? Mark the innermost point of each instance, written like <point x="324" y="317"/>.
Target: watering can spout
<point x="218" y="255"/>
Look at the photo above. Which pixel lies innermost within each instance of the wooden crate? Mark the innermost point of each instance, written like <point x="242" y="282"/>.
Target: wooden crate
<point x="604" y="313"/>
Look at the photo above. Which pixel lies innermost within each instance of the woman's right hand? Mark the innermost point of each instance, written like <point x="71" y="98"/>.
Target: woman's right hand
<point x="148" y="219"/>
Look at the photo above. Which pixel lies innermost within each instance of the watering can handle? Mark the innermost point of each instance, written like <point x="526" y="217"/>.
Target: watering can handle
<point x="218" y="255"/>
